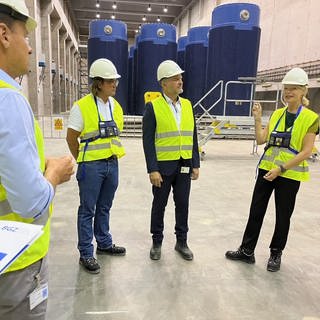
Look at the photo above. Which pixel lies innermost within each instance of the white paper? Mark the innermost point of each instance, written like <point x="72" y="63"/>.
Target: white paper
<point x="15" y="238"/>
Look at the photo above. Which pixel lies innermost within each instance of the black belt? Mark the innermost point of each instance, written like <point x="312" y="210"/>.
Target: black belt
<point x="113" y="157"/>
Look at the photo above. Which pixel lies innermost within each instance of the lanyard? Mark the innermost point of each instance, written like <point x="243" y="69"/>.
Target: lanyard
<point x="297" y="114"/>
<point x="96" y="102"/>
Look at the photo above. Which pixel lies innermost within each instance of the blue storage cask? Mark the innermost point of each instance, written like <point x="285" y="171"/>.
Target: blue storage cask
<point x="233" y="51"/>
<point x="108" y="39"/>
<point x="196" y="64"/>
<point x="130" y="109"/>
<point x="182" y="41"/>
<point x="157" y="43"/>
<point x="135" y="75"/>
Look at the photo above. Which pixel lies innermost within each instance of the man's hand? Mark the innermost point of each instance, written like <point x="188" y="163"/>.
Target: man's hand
<point x="59" y="170"/>
<point x="155" y="178"/>
<point x="195" y="174"/>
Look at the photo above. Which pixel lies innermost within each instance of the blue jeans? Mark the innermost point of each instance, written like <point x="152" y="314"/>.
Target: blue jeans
<point x="98" y="182"/>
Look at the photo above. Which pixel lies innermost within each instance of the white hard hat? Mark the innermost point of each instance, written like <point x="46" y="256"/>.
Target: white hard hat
<point x="167" y="69"/>
<point x="103" y="68"/>
<point x="18" y="10"/>
<point x="296" y="76"/>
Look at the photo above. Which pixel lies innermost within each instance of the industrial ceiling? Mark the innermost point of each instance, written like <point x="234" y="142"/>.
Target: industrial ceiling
<point x="133" y="13"/>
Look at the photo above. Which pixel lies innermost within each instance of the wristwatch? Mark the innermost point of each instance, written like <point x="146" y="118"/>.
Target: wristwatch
<point x="282" y="168"/>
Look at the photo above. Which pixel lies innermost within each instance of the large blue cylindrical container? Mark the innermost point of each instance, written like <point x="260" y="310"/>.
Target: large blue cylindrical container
<point x="233" y="51"/>
<point x="135" y="76"/>
<point x="157" y="43"/>
<point x="196" y="64"/>
<point x="182" y="41"/>
<point x="130" y="109"/>
<point x="108" y="39"/>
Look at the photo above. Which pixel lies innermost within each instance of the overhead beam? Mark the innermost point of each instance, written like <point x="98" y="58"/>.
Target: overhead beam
<point x="126" y="21"/>
<point x="128" y="13"/>
<point x="146" y="3"/>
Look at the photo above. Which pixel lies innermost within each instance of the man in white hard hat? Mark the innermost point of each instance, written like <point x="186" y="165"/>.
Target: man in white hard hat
<point x="97" y="120"/>
<point x="172" y="156"/>
<point x="289" y="138"/>
<point x="27" y="179"/>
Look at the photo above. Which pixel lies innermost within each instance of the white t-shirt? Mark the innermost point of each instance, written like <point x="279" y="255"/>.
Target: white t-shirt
<point x="76" y="121"/>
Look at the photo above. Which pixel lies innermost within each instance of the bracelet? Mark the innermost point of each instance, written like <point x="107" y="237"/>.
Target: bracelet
<point x="282" y="168"/>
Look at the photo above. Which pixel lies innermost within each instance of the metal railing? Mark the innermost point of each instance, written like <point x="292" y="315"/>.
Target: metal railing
<point x="207" y="111"/>
<point x="55" y="126"/>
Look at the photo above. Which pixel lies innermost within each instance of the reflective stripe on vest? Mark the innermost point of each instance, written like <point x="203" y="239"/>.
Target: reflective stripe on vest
<point x="99" y="148"/>
<point x="170" y="142"/>
<point x="275" y="156"/>
<point x="40" y="247"/>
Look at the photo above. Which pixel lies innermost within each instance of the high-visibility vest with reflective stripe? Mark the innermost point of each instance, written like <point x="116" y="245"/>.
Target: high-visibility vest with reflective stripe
<point x="274" y="156"/>
<point x="100" y="148"/>
<point x="40" y="247"/>
<point x="171" y="142"/>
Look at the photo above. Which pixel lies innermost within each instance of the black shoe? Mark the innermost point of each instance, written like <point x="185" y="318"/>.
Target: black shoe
<point x="155" y="252"/>
<point x="274" y="261"/>
<point x="113" y="251"/>
<point x="90" y="264"/>
<point x="241" y="255"/>
<point x="183" y="249"/>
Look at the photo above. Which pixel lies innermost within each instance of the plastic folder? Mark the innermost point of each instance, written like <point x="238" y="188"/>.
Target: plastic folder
<point x="15" y="238"/>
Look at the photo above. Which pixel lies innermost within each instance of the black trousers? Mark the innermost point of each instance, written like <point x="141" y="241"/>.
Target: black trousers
<point x="180" y="183"/>
<point x="285" y="191"/>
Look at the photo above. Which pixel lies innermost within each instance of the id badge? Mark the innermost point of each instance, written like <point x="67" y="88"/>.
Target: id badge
<point x="185" y="170"/>
<point x="38" y="295"/>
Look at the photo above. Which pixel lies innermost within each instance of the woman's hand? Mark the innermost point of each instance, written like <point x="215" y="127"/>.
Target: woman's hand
<point x="272" y="174"/>
<point x="257" y="111"/>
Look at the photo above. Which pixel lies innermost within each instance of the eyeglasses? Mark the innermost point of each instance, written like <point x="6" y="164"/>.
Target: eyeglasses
<point x="112" y="81"/>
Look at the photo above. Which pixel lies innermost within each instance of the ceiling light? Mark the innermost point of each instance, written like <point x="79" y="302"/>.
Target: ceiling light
<point x="144" y="18"/>
<point x="158" y="19"/>
<point x="140" y="26"/>
<point x="149" y="8"/>
<point x="136" y="30"/>
<point x="114" y="6"/>
<point x="113" y="16"/>
<point x="98" y="4"/>
<point x="165" y="9"/>
<point x="98" y="15"/>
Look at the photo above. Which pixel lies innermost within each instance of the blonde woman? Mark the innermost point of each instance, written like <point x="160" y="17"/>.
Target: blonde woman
<point x="289" y="138"/>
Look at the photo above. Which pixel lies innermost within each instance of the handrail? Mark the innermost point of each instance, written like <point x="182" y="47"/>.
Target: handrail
<point x="207" y="111"/>
<point x="251" y="100"/>
<point x="240" y="100"/>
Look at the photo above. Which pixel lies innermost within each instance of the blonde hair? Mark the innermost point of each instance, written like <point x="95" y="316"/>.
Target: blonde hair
<point x="304" y="100"/>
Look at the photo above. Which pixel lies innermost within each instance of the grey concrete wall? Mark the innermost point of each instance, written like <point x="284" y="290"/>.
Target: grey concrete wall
<point x="48" y="93"/>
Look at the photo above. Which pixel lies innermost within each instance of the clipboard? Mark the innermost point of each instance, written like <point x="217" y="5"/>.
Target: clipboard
<point x="15" y="238"/>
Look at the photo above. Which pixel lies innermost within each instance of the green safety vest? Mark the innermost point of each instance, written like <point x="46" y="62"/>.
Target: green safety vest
<point x="100" y="148"/>
<point x="171" y="142"/>
<point x="41" y="246"/>
<point x="275" y="156"/>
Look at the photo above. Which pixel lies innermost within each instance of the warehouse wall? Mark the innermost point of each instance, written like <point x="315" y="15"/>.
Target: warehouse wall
<point x="289" y="29"/>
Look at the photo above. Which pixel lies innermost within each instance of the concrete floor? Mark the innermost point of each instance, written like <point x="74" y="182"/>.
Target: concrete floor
<point x="208" y="288"/>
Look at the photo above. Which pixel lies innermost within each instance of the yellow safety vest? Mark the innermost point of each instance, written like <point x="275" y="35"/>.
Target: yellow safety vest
<point x="100" y="148"/>
<point x="275" y="156"/>
<point x="173" y="143"/>
<point x="41" y="246"/>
